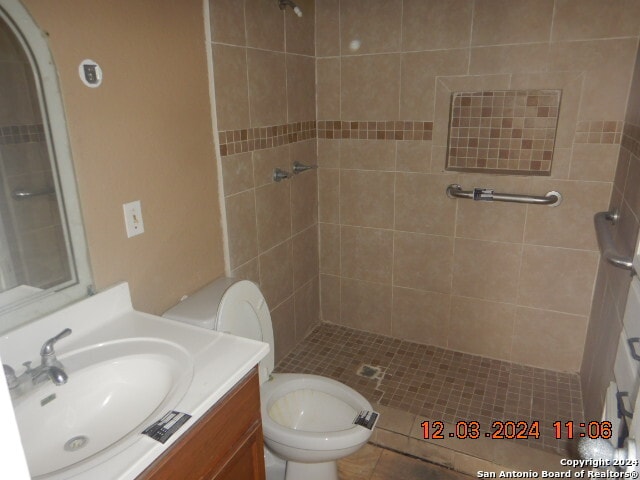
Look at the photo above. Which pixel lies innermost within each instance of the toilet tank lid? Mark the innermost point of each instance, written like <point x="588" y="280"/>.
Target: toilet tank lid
<point x="202" y="307"/>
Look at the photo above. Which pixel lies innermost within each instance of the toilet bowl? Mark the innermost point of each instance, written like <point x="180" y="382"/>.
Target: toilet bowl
<point x="308" y="420"/>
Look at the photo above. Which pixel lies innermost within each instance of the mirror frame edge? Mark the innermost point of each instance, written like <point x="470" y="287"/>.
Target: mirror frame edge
<point x="27" y="31"/>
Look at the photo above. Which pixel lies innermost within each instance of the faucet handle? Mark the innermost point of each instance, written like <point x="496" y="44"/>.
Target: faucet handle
<point x="47" y="348"/>
<point x="300" y="167"/>
<point x="10" y="375"/>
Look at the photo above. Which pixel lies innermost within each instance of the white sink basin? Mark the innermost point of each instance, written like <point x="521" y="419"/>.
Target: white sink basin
<point x="126" y="370"/>
<point x="114" y="391"/>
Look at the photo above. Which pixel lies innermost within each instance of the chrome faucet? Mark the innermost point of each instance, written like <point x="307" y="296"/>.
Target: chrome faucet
<point x="49" y="368"/>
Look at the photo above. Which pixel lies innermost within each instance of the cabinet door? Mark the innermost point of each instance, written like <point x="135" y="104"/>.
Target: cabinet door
<point x="248" y="461"/>
<point x="213" y="442"/>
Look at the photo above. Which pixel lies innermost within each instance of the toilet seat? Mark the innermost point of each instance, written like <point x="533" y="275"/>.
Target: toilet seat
<point x="319" y="428"/>
<point x="314" y="397"/>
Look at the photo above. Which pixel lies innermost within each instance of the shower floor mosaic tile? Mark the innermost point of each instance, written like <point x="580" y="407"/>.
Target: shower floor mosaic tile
<point x="439" y="385"/>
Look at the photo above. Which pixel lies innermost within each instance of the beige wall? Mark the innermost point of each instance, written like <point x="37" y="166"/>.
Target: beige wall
<point x="264" y="72"/>
<point x="397" y="256"/>
<point x="145" y="135"/>
<point x="612" y="284"/>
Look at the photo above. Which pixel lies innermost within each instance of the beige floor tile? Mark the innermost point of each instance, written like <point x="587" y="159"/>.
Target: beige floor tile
<point x="360" y="465"/>
<point x="392" y="465"/>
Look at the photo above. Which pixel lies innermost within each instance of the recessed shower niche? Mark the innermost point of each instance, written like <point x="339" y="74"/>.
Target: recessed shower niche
<point x="503" y="131"/>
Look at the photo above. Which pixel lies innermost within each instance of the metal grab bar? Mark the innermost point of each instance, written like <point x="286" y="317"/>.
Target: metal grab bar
<point x="553" y="198"/>
<point x="23" y="194"/>
<point x="605" y="240"/>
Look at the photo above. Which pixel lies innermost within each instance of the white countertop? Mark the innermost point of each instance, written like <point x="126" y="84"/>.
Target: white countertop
<point x="220" y="361"/>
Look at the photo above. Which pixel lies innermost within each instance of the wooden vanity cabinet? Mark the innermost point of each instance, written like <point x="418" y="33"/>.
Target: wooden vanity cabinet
<point x="225" y="444"/>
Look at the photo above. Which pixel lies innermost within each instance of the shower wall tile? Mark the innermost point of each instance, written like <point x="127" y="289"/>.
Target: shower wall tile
<point x="594" y="162"/>
<point x="368" y="155"/>
<point x="420" y="205"/>
<point x="237" y="173"/>
<point x="366" y="198"/>
<point x="499" y="222"/>
<point x="330" y="287"/>
<point x="230" y="76"/>
<point x="420" y="316"/>
<point x="227" y="21"/>
<point x="298" y="39"/>
<point x="441" y="52"/>
<point x="586" y="19"/>
<point x="419" y="73"/>
<point x="266" y="119"/>
<point x="549" y="338"/>
<point x="529" y="58"/>
<point x="248" y="271"/>
<point x="276" y="273"/>
<point x="273" y="214"/>
<point x="266" y="160"/>
<point x="305" y="256"/>
<point x="327" y="31"/>
<point x="557" y="279"/>
<point x="306" y="308"/>
<point x="366" y="254"/>
<point x="328" y="153"/>
<point x="521" y="21"/>
<point x="413" y="156"/>
<point x="264" y="25"/>
<point x="284" y="331"/>
<point x="370" y="87"/>
<point x="481" y="327"/>
<point x="435" y="25"/>
<point x="328" y="88"/>
<point x="365" y="306"/>
<point x="241" y="227"/>
<point x="376" y="32"/>
<point x="304" y="201"/>
<point x="267" y="87"/>
<point x="422" y="261"/>
<point x="564" y="226"/>
<point x="375" y="176"/>
<point x="301" y="87"/>
<point x="329" y="195"/>
<point x="329" y="248"/>
<point x="486" y="270"/>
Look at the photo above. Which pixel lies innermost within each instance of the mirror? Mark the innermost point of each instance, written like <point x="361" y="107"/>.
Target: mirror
<point x="42" y="257"/>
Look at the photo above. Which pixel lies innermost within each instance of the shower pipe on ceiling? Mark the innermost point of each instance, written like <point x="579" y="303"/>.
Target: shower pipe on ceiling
<point x="284" y="3"/>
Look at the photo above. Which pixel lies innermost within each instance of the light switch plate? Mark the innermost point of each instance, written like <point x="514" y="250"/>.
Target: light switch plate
<point x="133" y="218"/>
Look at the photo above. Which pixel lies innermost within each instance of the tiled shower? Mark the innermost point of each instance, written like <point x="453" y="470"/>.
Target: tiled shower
<point x="369" y="241"/>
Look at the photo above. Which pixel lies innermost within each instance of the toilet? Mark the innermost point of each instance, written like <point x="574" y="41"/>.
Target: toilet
<point x="308" y="420"/>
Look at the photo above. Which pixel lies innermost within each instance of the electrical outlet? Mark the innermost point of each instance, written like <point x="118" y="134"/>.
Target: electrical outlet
<point x="133" y="218"/>
<point x="90" y="73"/>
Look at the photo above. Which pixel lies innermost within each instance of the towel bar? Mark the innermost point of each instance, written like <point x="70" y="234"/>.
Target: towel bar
<point x="22" y="194"/>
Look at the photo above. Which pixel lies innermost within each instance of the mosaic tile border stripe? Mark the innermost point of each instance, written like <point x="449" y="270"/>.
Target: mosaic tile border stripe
<point x="258" y="138"/>
<point x="14" y="134"/>
<point x="382" y="130"/>
<point x="631" y="138"/>
<point x="599" y="132"/>
<point x="249" y="139"/>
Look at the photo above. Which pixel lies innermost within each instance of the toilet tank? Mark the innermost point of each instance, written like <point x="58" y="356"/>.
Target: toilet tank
<point x="231" y="306"/>
<point x="201" y="308"/>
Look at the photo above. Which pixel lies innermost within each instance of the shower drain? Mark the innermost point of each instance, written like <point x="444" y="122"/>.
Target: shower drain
<point x="76" y="443"/>
<point x="369" y="371"/>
